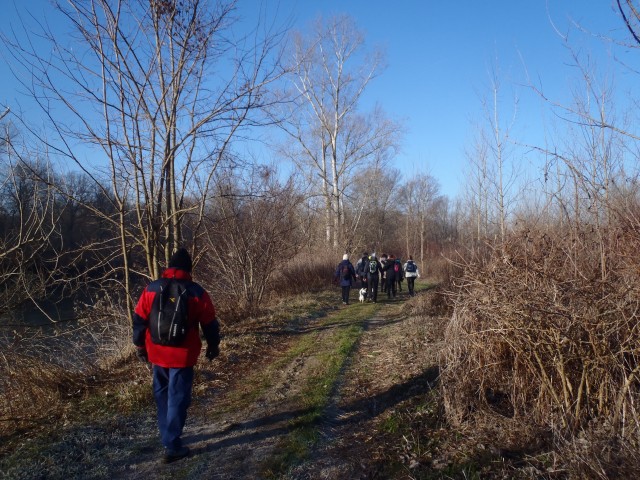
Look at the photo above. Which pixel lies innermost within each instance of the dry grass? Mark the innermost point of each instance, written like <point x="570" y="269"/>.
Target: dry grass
<point x="88" y="365"/>
<point x="544" y="342"/>
<point x="434" y="301"/>
<point x="308" y="271"/>
<point x="44" y="373"/>
<point x="92" y="420"/>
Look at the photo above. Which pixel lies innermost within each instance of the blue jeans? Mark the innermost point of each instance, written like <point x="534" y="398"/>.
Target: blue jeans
<point x="172" y="391"/>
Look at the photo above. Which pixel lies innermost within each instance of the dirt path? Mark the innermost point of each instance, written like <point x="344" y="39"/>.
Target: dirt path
<point x="387" y="368"/>
<point x="239" y="445"/>
<point x="237" y="434"/>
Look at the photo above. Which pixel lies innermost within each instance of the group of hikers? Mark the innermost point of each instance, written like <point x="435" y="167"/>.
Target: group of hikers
<point x="386" y="273"/>
<point x="173" y="309"/>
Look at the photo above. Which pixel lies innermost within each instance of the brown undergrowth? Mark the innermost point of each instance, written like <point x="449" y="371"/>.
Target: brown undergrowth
<point x="542" y="351"/>
<point x="89" y="372"/>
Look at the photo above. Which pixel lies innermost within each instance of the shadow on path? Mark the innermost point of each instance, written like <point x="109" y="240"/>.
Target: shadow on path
<point x="281" y="423"/>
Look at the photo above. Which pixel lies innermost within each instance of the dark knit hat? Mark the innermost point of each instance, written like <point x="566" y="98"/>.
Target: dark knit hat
<point x="181" y="259"/>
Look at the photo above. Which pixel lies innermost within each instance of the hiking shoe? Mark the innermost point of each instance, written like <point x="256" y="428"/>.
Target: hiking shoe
<point x="173" y="455"/>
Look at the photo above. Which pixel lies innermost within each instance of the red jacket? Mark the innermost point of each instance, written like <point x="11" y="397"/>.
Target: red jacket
<point x="201" y="313"/>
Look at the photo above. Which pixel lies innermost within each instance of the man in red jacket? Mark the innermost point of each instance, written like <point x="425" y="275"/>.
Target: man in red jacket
<point x="173" y="365"/>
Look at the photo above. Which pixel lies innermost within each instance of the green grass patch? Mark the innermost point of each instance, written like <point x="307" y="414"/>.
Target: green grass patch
<point x="302" y="306"/>
<point x="259" y="382"/>
<point x="319" y="385"/>
<point x="391" y="424"/>
<point x="305" y="308"/>
<point x="356" y="313"/>
<point x="410" y="431"/>
<point x="255" y="386"/>
<point x="331" y="356"/>
<point x="422" y="285"/>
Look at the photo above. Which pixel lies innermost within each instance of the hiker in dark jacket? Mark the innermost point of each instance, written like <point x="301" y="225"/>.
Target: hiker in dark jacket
<point x="383" y="280"/>
<point x="390" y="275"/>
<point x="346" y="275"/>
<point x="173" y="365"/>
<point x="373" y="270"/>
<point x="360" y="270"/>
<point x="397" y="268"/>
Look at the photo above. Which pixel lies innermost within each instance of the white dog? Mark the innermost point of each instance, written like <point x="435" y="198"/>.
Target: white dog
<point x="362" y="295"/>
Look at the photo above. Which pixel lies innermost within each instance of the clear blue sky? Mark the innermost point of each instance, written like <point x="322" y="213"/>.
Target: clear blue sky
<point x="439" y="55"/>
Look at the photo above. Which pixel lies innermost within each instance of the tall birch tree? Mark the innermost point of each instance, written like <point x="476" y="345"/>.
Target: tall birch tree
<point x="331" y="138"/>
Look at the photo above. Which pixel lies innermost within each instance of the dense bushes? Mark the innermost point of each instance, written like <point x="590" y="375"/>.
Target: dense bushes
<point x="545" y="339"/>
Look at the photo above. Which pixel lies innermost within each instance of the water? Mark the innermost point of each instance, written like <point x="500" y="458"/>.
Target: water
<point x="45" y="314"/>
<point x="54" y="331"/>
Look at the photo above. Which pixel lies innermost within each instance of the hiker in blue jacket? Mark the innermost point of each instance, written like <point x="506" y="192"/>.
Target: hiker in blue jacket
<point x="346" y="275"/>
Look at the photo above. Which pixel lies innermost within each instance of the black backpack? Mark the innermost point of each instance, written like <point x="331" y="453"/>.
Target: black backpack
<point x="168" y="320"/>
<point x="411" y="267"/>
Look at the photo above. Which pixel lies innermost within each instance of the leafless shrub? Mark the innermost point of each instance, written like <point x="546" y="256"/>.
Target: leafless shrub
<point x="107" y="333"/>
<point x="307" y="271"/>
<point x="251" y="235"/>
<point x="28" y="228"/>
<point x="545" y="339"/>
<point x="32" y="389"/>
<point x="433" y="302"/>
<point x="599" y="452"/>
<point x="437" y="267"/>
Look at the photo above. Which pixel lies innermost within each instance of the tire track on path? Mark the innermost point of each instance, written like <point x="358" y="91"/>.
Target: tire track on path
<point x="239" y="445"/>
<point x="362" y="393"/>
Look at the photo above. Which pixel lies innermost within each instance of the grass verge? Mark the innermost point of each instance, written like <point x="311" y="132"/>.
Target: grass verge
<point x="331" y="349"/>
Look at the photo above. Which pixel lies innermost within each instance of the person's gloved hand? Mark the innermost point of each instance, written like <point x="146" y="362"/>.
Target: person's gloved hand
<point x="212" y="352"/>
<point x="142" y="355"/>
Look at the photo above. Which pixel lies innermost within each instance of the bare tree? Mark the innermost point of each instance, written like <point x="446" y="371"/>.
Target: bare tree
<point x="158" y="91"/>
<point x="631" y="17"/>
<point x="500" y="145"/>
<point x="28" y="227"/>
<point x="253" y="230"/>
<point x="591" y="159"/>
<point x="493" y="172"/>
<point x="478" y="188"/>
<point x="593" y="167"/>
<point x="376" y="208"/>
<point x="419" y="196"/>
<point x="331" y="139"/>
